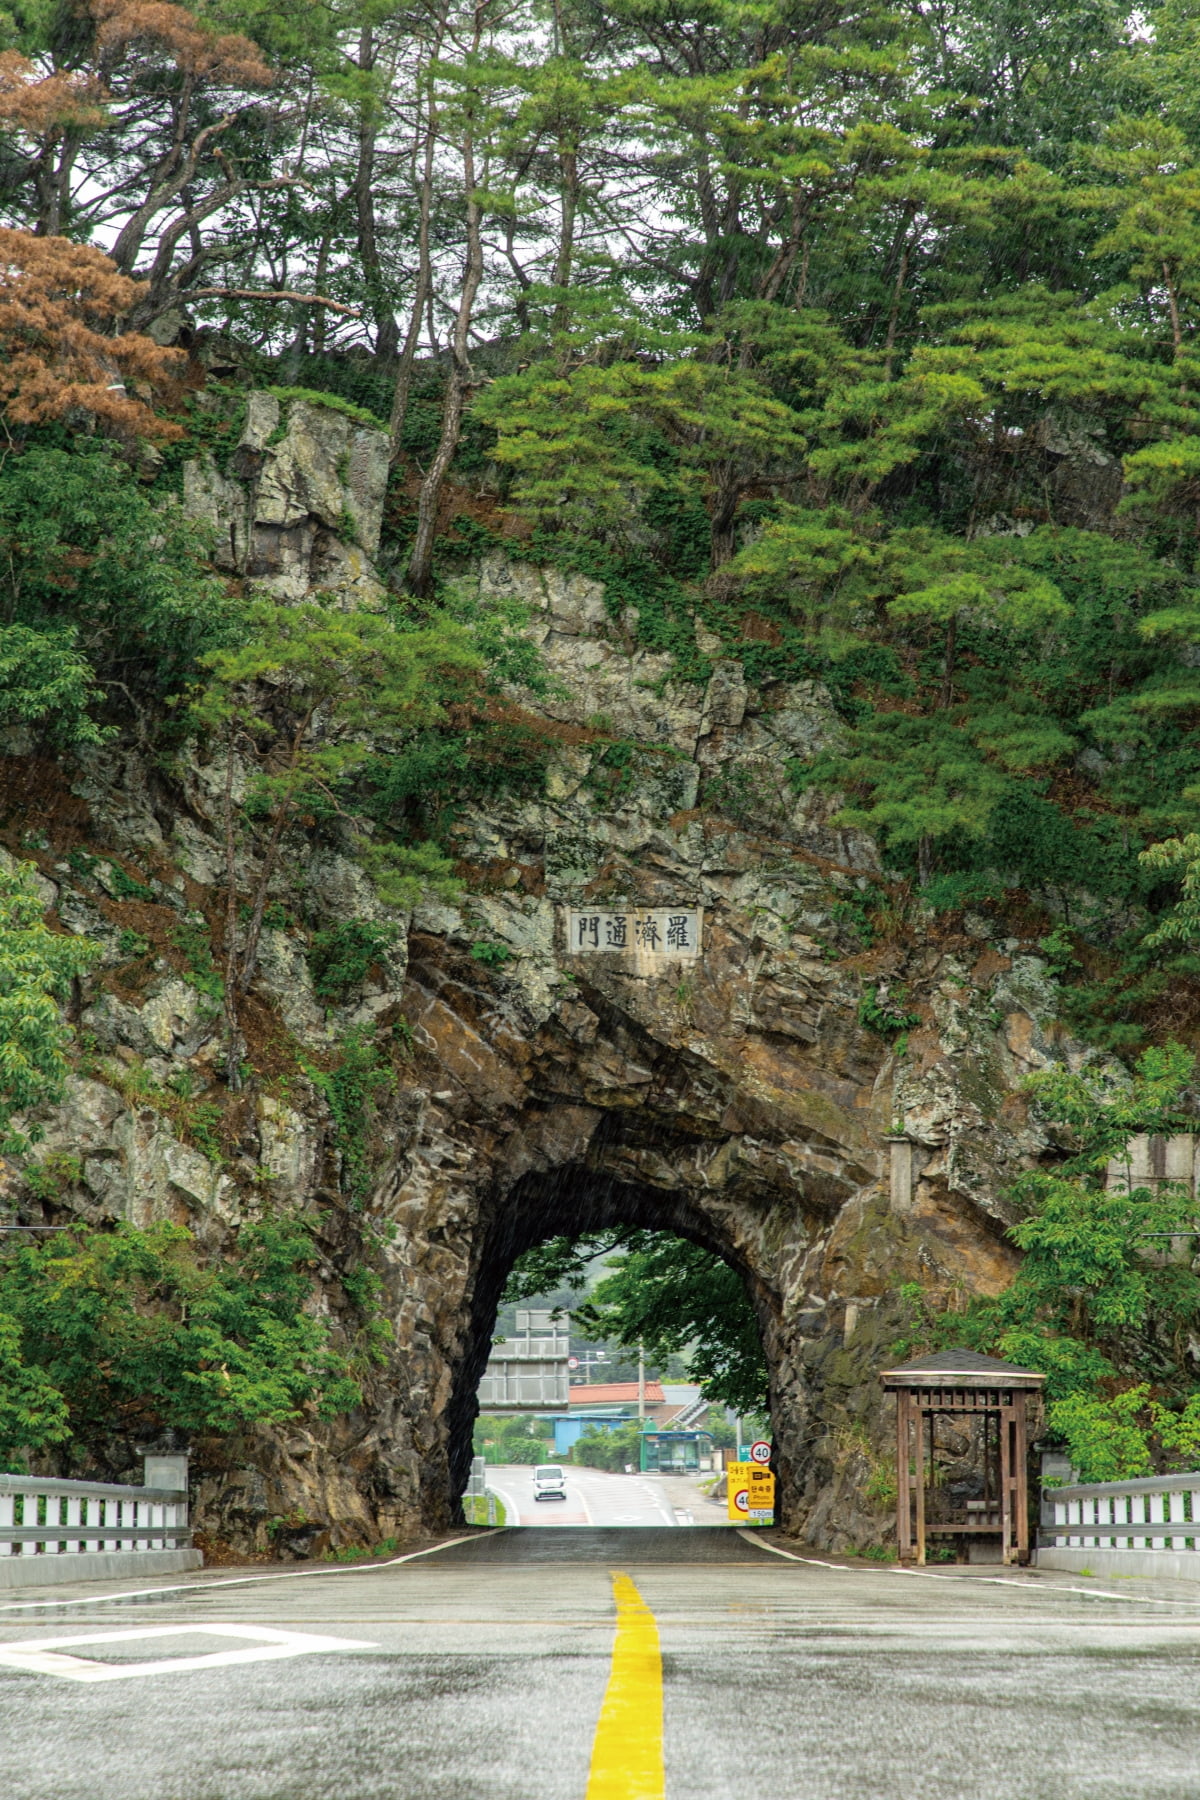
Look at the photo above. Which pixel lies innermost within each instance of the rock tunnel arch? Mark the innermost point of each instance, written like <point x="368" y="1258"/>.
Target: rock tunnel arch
<point x="604" y="1105"/>
<point x="575" y="1200"/>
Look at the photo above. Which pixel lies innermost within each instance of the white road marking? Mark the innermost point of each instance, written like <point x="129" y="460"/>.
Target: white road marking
<point x="990" y="1580"/>
<point x="655" y="1497"/>
<point x="1051" y="1587"/>
<point x="752" y="1537"/>
<point x="512" y="1512"/>
<point x="208" y="1587"/>
<point x="45" y="1656"/>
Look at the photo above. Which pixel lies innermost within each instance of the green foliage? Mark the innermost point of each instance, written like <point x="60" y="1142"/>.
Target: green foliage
<point x="609" y="1447"/>
<point x="127" y="887"/>
<point x="480" y="746"/>
<point x="195" y="946"/>
<point x="45" y="681"/>
<point x="673" y="1296"/>
<point x="581" y="442"/>
<point x="36" y="968"/>
<point x="367" y="680"/>
<point x="493" y="956"/>
<point x="129" y="1330"/>
<point x="334" y="402"/>
<point x="53" y="1175"/>
<point x="856" y="916"/>
<point x="103" y="586"/>
<point x="1181" y="923"/>
<point x="353" y="1553"/>
<point x="341" y="957"/>
<point x="421" y="789"/>
<point x="353" y="1090"/>
<point x="34" y="1414"/>
<point x="1106" y="1438"/>
<point x="1101" y="1305"/>
<point x="885" y="1012"/>
<point x="195" y="1120"/>
<point x="343" y="688"/>
<point x="515" y="1438"/>
<point x="1104" y="1113"/>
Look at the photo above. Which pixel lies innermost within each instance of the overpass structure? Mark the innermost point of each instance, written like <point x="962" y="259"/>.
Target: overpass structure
<point x="528" y="1372"/>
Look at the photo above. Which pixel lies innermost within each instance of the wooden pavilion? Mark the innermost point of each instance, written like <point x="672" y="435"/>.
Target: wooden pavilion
<point x="991" y="1393"/>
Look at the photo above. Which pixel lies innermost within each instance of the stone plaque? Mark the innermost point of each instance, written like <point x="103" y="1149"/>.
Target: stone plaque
<point x="647" y="936"/>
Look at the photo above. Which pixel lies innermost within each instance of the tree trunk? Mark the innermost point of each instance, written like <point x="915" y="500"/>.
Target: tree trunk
<point x="233" y="1033"/>
<point x="894" y="316"/>
<point x="1173" y="303"/>
<point x="424" y="278"/>
<point x="387" y="336"/>
<point x="948" y="664"/>
<point x="568" y="162"/>
<point x="420" y="566"/>
<point x="254" y="929"/>
<point x="723" y="538"/>
<point x="458" y="387"/>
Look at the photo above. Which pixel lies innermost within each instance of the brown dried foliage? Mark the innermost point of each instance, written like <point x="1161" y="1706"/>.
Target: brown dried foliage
<point x="59" y="304"/>
<point x="228" y="60"/>
<point x="40" y="104"/>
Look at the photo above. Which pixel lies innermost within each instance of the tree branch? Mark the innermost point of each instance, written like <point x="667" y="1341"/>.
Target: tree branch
<point x="231" y="293"/>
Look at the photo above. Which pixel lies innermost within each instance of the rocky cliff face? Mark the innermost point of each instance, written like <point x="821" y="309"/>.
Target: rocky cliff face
<point x="737" y="1098"/>
<point x="300" y="506"/>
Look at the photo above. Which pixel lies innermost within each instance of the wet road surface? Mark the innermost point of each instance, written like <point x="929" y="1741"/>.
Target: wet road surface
<point x="480" y="1671"/>
<point x="594" y="1497"/>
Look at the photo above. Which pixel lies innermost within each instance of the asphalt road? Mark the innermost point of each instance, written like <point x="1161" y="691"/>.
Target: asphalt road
<point x="486" y="1670"/>
<point x="595" y="1497"/>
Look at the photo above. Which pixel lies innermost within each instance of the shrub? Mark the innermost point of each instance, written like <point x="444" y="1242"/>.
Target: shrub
<point x="341" y="958"/>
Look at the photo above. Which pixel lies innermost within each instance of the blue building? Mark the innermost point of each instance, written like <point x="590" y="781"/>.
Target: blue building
<point x="570" y="1427"/>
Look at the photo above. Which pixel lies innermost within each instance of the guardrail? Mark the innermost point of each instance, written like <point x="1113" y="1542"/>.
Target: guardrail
<point x="1158" y="1514"/>
<point x="479" y="1502"/>
<point x="43" y="1516"/>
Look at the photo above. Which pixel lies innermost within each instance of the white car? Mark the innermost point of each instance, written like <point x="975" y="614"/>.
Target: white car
<point x="549" y="1482"/>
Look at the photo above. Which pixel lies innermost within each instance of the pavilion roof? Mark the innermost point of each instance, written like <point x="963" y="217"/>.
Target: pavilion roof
<point x="960" y="1367"/>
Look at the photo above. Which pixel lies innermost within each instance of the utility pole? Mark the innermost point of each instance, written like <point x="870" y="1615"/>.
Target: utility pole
<point x="641" y="1379"/>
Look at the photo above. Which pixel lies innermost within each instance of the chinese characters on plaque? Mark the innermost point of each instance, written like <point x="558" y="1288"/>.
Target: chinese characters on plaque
<point x="658" y="934"/>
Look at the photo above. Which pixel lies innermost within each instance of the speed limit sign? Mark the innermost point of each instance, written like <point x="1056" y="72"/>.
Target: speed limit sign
<point x="760" y="1452"/>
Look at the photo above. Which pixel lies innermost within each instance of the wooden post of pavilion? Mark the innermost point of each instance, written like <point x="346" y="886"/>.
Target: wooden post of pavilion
<point x="963" y="1382"/>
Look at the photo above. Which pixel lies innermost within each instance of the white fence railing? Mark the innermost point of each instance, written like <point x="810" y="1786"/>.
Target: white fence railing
<point x="1162" y="1513"/>
<point x="42" y="1516"/>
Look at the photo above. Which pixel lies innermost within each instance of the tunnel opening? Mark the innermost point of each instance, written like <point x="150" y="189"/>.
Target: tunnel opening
<point x="573" y="1203"/>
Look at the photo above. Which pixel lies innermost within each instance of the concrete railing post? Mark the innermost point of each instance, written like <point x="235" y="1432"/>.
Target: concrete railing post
<point x="169" y="1471"/>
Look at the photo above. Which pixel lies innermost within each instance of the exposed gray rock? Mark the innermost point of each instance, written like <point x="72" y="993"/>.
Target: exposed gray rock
<point x="174" y="1021"/>
<point x="46" y="890"/>
<point x="598" y="677"/>
<point x="113" y="780"/>
<point x="290" y="1147"/>
<point x="283" y="975"/>
<point x="301" y="507"/>
<point x="134" y="1167"/>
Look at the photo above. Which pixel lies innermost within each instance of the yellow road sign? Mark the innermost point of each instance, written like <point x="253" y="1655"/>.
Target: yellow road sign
<point x="751" y="1490"/>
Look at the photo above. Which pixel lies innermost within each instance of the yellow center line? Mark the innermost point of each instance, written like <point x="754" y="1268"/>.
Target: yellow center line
<point x="627" y="1754"/>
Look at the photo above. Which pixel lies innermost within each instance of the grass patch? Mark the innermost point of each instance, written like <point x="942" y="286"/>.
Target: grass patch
<point x="334" y="402"/>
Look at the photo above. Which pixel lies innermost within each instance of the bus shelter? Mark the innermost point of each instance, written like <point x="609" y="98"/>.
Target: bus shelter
<point x="674" y="1452"/>
<point x="989" y="1399"/>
